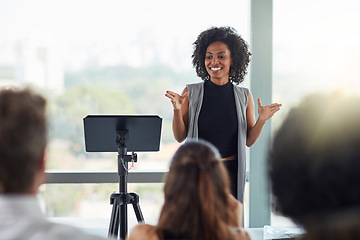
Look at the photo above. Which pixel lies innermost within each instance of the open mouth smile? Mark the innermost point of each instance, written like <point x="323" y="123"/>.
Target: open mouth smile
<point x="215" y="69"/>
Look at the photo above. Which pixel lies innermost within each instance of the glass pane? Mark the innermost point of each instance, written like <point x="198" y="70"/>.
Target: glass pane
<point x="106" y="57"/>
<point x="316" y="49"/>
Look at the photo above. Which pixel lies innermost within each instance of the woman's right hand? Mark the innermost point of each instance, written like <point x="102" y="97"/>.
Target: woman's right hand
<point x="181" y="113"/>
<point x="177" y="100"/>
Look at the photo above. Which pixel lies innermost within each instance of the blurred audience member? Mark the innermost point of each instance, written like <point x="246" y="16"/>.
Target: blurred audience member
<point x="314" y="166"/>
<point x="23" y="140"/>
<point x="198" y="203"/>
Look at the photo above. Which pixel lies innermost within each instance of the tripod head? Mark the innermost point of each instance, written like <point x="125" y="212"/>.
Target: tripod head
<point x="121" y="138"/>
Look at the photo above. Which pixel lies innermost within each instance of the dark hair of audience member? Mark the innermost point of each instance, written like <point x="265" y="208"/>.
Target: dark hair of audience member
<point x="315" y="159"/>
<point x="23" y="138"/>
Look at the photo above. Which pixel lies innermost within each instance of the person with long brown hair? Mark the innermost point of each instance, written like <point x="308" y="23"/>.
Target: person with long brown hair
<point x="198" y="203"/>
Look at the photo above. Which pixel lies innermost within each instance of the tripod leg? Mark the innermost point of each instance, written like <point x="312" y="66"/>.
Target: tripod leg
<point x="114" y="221"/>
<point x="135" y="202"/>
<point x="138" y="213"/>
<point x="123" y="221"/>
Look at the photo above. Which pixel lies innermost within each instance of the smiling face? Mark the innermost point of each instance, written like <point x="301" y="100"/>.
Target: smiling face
<point x="218" y="62"/>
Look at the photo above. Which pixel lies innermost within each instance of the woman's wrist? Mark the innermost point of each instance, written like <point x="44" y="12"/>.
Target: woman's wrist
<point x="261" y="121"/>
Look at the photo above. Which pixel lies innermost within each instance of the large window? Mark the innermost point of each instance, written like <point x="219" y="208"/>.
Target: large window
<point x="316" y="49"/>
<point x="105" y="57"/>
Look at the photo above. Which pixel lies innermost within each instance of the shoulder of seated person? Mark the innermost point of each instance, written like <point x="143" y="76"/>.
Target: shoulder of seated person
<point x="240" y="233"/>
<point x="143" y="231"/>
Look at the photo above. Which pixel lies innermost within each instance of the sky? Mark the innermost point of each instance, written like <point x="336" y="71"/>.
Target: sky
<point x="136" y="32"/>
<point x="320" y="38"/>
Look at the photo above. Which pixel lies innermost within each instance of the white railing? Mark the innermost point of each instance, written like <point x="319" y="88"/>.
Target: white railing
<point x="57" y="176"/>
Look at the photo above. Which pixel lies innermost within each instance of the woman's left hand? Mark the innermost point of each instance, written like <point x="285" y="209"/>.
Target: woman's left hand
<point x="266" y="112"/>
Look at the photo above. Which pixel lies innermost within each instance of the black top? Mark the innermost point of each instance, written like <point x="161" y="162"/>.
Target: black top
<point x="218" y="121"/>
<point x="169" y="235"/>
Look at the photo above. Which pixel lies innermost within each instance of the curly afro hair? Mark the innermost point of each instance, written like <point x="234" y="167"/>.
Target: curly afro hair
<point x="239" y="50"/>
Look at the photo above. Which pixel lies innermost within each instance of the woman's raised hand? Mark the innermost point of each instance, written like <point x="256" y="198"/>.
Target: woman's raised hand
<point x="266" y="112"/>
<point x="177" y="100"/>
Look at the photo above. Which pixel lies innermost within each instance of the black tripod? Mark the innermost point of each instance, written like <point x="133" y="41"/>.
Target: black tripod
<point x="133" y="133"/>
<point x="122" y="198"/>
